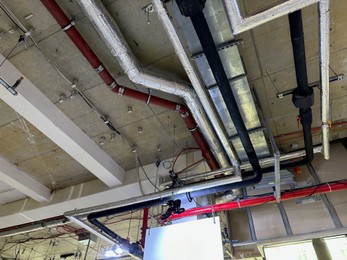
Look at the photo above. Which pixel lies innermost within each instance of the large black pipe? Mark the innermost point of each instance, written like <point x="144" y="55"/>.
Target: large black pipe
<point x="298" y="46"/>
<point x="303" y="97"/>
<point x="193" y="9"/>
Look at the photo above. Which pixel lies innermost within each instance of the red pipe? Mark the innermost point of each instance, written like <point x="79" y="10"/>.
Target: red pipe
<point x="299" y="193"/>
<point x="182" y="109"/>
<point x="104" y="74"/>
<point x="144" y="227"/>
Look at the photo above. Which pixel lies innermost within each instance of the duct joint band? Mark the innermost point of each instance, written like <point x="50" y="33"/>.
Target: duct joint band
<point x="112" y="85"/>
<point x="67" y="27"/>
<point x="149" y="99"/>
<point x="99" y="69"/>
<point x="121" y="91"/>
<point x="193" y="129"/>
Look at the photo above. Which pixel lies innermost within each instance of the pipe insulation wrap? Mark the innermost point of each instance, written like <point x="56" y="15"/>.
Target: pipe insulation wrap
<point x="109" y="32"/>
<point x="324" y="59"/>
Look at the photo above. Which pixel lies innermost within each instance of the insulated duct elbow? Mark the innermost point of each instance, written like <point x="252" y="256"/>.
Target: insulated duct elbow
<point x="109" y="32"/>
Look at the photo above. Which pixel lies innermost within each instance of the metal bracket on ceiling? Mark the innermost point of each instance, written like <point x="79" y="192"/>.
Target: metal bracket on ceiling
<point x="11" y="89"/>
<point x="67" y="27"/>
<point x="316" y="84"/>
<point x="147" y="10"/>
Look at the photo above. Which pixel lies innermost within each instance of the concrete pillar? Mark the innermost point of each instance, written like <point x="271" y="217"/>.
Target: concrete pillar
<point x="321" y="249"/>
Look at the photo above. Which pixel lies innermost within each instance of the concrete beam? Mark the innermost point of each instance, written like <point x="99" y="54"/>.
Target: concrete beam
<point x="88" y="194"/>
<point x="22" y="182"/>
<point x="35" y="107"/>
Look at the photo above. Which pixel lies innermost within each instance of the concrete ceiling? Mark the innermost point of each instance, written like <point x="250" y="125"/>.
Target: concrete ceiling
<point x="266" y="53"/>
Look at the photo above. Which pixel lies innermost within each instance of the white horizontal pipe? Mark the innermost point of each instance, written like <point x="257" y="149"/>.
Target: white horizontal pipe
<point x="240" y="24"/>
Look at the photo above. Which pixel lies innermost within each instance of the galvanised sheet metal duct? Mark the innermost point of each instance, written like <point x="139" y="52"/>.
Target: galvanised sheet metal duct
<point x="231" y="60"/>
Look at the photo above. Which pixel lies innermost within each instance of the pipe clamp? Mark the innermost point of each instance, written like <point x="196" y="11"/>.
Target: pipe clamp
<point x="121" y="91"/>
<point x="99" y="69"/>
<point x="67" y="27"/>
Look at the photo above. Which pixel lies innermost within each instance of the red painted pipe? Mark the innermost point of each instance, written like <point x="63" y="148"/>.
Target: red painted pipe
<point x="104" y="74"/>
<point x="144" y="227"/>
<point x="182" y="109"/>
<point x="295" y="194"/>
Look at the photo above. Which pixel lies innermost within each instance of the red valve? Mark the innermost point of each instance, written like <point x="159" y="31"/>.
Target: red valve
<point x="297" y="171"/>
<point x="298" y="121"/>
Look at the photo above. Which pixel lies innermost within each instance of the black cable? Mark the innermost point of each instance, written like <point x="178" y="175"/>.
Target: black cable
<point x="146" y="174"/>
<point x="190" y="199"/>
<point x="20" y="39"/>
<point x="85" y="255"/>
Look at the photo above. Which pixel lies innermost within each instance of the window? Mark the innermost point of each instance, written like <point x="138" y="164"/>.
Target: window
<point x="305" y="251"/>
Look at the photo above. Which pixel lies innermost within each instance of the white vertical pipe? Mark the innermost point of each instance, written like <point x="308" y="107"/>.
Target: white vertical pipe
<point x="324" y="57"/>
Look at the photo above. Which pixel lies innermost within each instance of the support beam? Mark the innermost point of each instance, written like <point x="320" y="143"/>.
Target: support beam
<point x="35" y="107"/>
<point x="22" y="182"/>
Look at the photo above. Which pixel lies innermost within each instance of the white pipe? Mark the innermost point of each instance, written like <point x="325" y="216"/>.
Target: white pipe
<point x="109" y="32"/>
<point x="324" y="41"/>
<point x="199" y="88"/>
<point x="82" y="213"/>
<point x="264" y="163"/>
<point x="34" y="227"/>
<point x="240" y="24"/>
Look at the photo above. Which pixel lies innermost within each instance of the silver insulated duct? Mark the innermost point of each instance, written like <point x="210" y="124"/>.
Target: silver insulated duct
<point x="229" y="54"/>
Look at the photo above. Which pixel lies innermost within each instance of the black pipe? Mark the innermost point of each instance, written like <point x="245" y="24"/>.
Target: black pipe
<point x="193" y="9"/>
<point x="134" y="247"/>
<point x="303" y="97"/>
<point x="298" y="46"/>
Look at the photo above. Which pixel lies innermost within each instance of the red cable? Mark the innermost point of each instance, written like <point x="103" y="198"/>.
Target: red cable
<point x="179" y="154"/>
